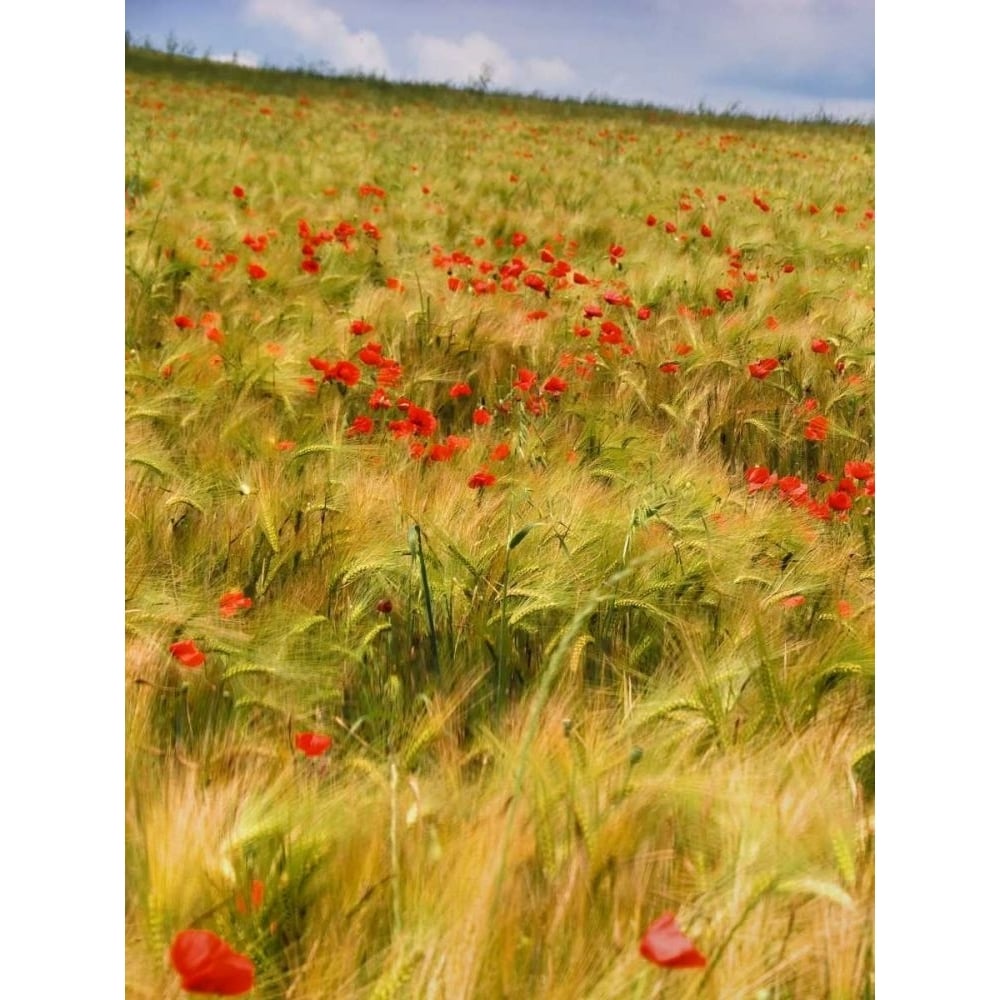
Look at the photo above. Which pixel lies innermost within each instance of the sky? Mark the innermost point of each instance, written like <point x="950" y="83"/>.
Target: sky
<point x="792" y="58"/>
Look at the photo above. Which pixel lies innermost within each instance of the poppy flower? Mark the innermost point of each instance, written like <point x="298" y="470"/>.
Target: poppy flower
<point x="706" y="230"/>
<point x="188" y="654"/>
<point x="256" y="898"/>
<point x="670" y="368"/>
<point x="682" y="349"/>
<point x="460" y="389"/>
<point x="788" y="268"/>
<point x="360" y="425"/>
<point x="844" y="609"/>
<point x="481" y="479"/>
<point x="772" y="323"/>
<point x="238" y="191"/>
<point x="500" y="452"/>
<point x="795" y="601"/>
<point x="611" y="333"/>
<point x="664" y="944"/>
<point x="183" y="322"/>
<point x="525" y="379"/>
<point x="670" y="227"/>
<point x="859" y="470"/>
<point x="643" y="312"/>
<point x="761" y="369"/>
<point x="233" y="601"/>
<point x="816" y="429"/>
<point x="481" y="417"/>
<point x="285" y="445"/>
<point x="344" y="371"/>
<point x="275" y="350"/>
<point x="839" y="500"/>
<point x="256" y="272"/>
<point x="384" y="607"/>
<point x="758" y="477"/>
<point x="310" y="265"/>
<point x="555" y="385"/>
<point x="617" y="299"/>
<point x="650" y="220"/>
<point x="207" y="964"/>
<point x="820" y="346"/>
<point x="724" y="294"/>
<point x="312" y="744"/>
<point x="616" y="251"/>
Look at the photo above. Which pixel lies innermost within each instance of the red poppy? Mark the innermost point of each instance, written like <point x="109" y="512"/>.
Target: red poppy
<point x="360" y="425"/>
<point x="525" y="379"/>
<point x="379" y="400"/>
<point x="384" y="607"/>
<point x="535" y="281"/>
<point x="682" y="349"/>
<point x="188" y="653"/>
<point x="285" y="445"/>
<point x="371" y="355"/>
<point x="820" y="346"/>
<point x="670" y="227"/>
<point x="759" y="478"/>
<point x="859" y="470"/>
<point x="580" y="279"/>
<point x="256" y="272"/>
<point x="238" y="192"/>
<point x="207" y="964"/>
<point x="724" y="294"/>
<point x="312" y="744"/>
<point x="481" y="479"/>
<point x="460" y="389"/>
<point x="592" y="312"/>
<point x="788" y="268"/>
<point x="839" y="209"/>
<point x="310" y="265"/>
<point x="772" y="323"/>
<point x="344" y="371"/>
<point x="555" y="385"/>
<point x="616" y="251"/>
<point x="611" y="333"/>
<point x="762" y="205"/>
<point x="761" y="369"/>
<point x="650" y="220"/>
<point x="813" y="209"/>
<point x="670" y="368"/>
<point x="481" y="417"/>
<point x="844" y="609"/>
<point x="256" y="898"/>
<point x="233" y="601"/>
<point x="500" y="452"/>
<point x="664" y="944"/>
<point x="643" y="312"/>
<point x="840" y="500"/>
<point x="441" y="452"/>
<point x="183" y="322"/>
<point x="617" y="299"/>
<point x="793" y="602"/>
<point x="816" y="429"/>
<point x="705" y="230"/>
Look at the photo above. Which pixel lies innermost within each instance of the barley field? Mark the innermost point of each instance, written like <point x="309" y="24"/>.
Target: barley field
<point x="499" y="552"/>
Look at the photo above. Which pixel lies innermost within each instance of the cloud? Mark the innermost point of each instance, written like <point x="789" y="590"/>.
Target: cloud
<point x="477" y="57"/>
<point x="812" y="48"/>
<point x="241" y="57"/>
<point x="324" y="31"/>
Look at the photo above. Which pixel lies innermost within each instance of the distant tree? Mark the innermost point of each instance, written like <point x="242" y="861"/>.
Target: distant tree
<point x="188" y="49"/>
<point x="485" y="78"/>
<point x="171" y="45"/>
<point x="128" y="39"/>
